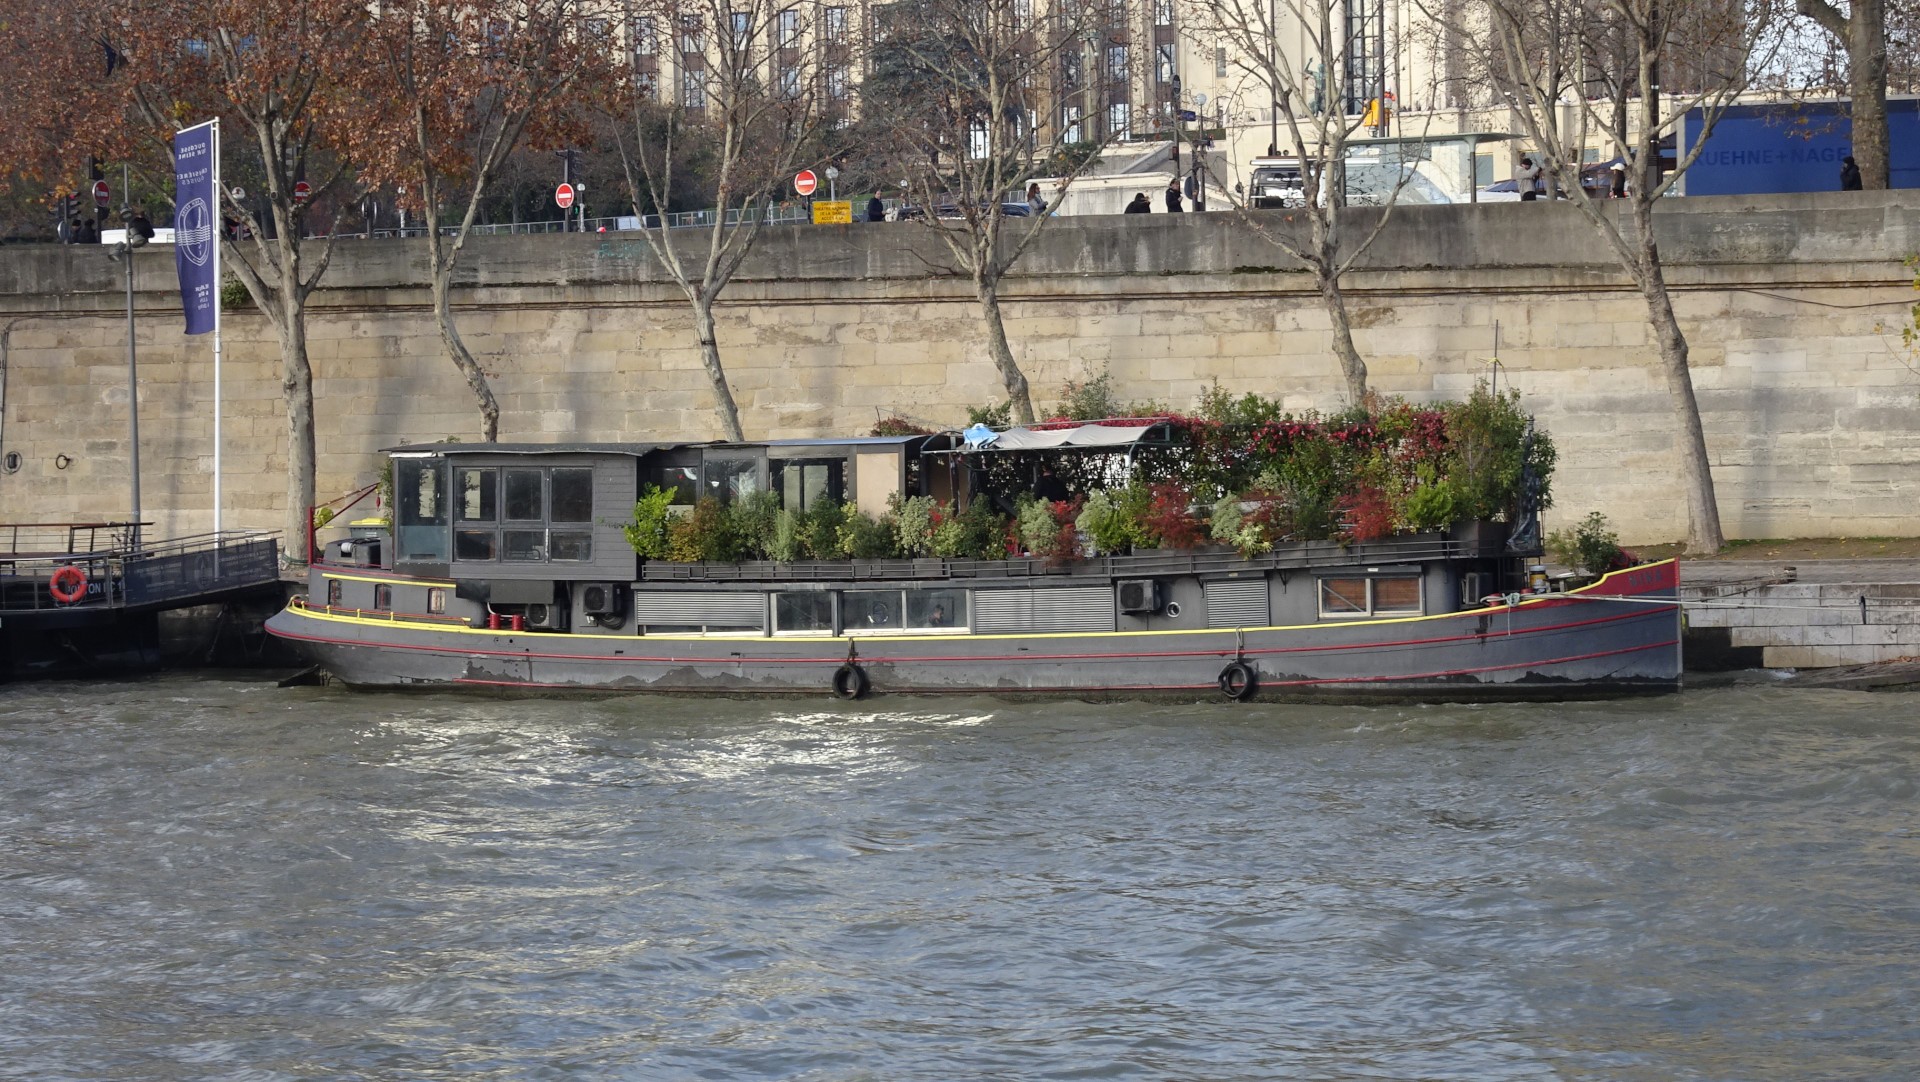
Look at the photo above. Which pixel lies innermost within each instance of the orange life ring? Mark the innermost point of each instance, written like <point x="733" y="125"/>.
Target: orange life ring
<point x="68" y="585"/>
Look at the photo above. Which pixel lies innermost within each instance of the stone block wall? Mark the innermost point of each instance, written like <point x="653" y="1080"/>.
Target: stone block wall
<point x="1791" y="305"/>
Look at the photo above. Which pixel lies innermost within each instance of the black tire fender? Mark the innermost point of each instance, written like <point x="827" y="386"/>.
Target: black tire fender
<point x="1238" y="681"/>
<point x="849" y="682"/>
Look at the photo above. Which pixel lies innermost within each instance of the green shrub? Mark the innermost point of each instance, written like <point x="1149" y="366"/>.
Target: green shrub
<point x="913" y="524"/>
<point x="819" y="531"/>
<point x="1111" y="522"/>
<point x="751" y="518"/>
<point x="1591" y="547"/>
<point x="1432" y="504"/>
<point x="648" y="532"/>
<point x="706" y="534"/>
<point x="864" y="537"/>
<point x="785" y="547"/>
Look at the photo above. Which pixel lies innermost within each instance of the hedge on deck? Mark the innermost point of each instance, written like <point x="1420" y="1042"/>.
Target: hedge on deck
<point x="1240" y="472"/>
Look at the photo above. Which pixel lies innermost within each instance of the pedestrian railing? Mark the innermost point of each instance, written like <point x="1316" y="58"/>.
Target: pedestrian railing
<point x="175" y="569"/>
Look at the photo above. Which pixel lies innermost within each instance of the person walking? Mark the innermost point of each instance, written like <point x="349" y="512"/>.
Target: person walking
<point x="1173" y="196"/>
<point x="1619" y="180"/>
<point x="1528" y="178"/>
<point x="876" y="210"/>
<point x="1140" y="205"/>
<point x="1849" y="174"/>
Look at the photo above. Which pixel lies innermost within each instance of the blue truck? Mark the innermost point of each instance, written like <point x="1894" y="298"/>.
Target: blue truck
<point x="1792" y="147"/>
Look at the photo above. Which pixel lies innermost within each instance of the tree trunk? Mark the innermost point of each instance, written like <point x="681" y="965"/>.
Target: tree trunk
<point x="462" y="359"/>
<point x="1703" y="509"/>
<point x="1019" y="399"/>
<point x="297" y="384"/>
<point x="1352" y="367"/>
<point x="1867" y="84"/>
<point x="710" y="356"/>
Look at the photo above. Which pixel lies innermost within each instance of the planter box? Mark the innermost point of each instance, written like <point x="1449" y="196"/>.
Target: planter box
<point x="1478" y="537"/>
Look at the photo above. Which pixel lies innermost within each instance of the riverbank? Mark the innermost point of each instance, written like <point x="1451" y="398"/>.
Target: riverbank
<point x="1822" y="603"/>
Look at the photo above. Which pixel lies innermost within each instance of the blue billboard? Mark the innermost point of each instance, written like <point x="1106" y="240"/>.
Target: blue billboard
<point x="1792" y="147"/>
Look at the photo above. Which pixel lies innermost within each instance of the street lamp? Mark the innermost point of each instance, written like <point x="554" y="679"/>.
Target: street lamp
<point x="138" y="231"/>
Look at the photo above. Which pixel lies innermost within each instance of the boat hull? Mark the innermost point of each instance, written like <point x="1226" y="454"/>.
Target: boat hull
<point x="1618" y="637"/>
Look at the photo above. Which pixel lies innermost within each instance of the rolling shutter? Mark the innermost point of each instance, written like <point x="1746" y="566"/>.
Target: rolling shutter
<point x="1237" y="603"/>
<point x="1077" y="608"/>
<point x="738" y="610"/>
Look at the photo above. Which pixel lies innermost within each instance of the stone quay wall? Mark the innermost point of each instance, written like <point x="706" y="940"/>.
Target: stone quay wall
<point x="1792" y="305"/>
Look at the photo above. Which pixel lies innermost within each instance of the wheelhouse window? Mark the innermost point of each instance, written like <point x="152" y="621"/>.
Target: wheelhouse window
<point x="421" y="515"/>
<point x="1360" y="596"/>
<point x="333" y="593"/>
<point x="903" y="610"/>
<point x="546" y="514"/>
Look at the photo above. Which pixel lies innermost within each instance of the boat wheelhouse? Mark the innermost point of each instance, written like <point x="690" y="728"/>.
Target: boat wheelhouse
<point x="509" y="566"/>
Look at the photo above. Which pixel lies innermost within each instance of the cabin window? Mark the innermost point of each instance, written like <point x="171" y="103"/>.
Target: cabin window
<point x="436" y="599"/>
<point x="682" y="481"/>
<point x="572" y="495"/>
<point x="1397" y="595"/>
<point x="525" y="499"/>
<point x="808" y="610"/>
<point x="383" y="597"/>
<point x="524" y="546"/>
<point x="333" y="593"/>
<point x="419" y="486"/>
<point x="475" y="545"/>
<point x="730" y="477"/>
<point x="479" y="496"/>
<point x="569" y="545"/>
<point x="804" y="483"/>
<point x="936" y="609"/>
<point x="872" y="610"/>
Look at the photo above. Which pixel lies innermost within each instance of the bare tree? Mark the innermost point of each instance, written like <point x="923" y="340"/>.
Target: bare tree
<point x="1714" y="46"/>
<point x="968" y="100"/>
<point x="451" y="87"/>
<point x="1861" y="29"/>
<point x="747" y="79"/>
<point x="1309" y="95"/>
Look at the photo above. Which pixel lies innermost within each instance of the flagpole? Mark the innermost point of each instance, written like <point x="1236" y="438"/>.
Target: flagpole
<point x="219" y="201"/>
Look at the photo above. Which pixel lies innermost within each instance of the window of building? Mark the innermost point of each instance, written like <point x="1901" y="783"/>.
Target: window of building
<point x="742" y="23"/>
<point x="693" y="90"/>
<point x="1119" y="115"/>
<point x="729" y="477"/>
<point x="1070" y="123"/>
<point x="525" y="496"/>
<point x="804" y="483"/>
<point x="837" y="83"/>
<point x="690" y="33"/>
<point x="479" y="495"/>
<point x="598" y="30"/>
<point x="383" y="596"/>
<point x="835" y="24"/>
<point x="548" y="512"/>
<point x="646" y="36"/>
<point x="572" y="495"/>
<point x="1163" y="12"/>
<point x="790" y="82"/>
<point x="1220" y="62"/>
<point x="1117" y="63"/>
<point x="1397" y="595"/>
<point x="1163" y="67"/>
<point x="789" y="29"/>
<point x="1022" y="14"/>
<point x="1070" y="68"/>
<point x="683" y="480"/>
<point x="648" y="83"/>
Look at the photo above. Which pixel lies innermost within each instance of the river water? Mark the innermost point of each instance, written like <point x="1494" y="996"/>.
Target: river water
<point x="215" y="879"/>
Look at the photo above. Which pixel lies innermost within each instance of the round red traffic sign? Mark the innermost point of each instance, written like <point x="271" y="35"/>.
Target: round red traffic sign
<point x="806" y="182"/>
<point x="101" y="196"/>
<point x="563" y="196"/>
<point x="301" y="190"/>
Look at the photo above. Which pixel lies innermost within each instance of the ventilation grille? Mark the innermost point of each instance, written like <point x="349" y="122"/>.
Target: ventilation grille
<point x="704" y="609"/>
<point x="1079" y="608"/>
<point x="1237" y="603"/>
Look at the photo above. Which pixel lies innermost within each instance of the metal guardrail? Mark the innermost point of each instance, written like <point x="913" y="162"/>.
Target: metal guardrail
<point x="171" y="570"/>
<point x="795" y="214"/>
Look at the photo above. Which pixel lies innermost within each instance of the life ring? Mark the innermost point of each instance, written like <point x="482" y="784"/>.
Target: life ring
<point x="68" y="584"/>
<point x="1237" y="681"/>
<point x="849" y="682"/>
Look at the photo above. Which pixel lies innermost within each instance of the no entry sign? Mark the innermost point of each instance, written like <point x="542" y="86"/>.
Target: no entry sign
<point x="301" y="191"/>
<point x="101" y="196"/>
<point x="806" y="182"/>
<point x="563" y="196"/>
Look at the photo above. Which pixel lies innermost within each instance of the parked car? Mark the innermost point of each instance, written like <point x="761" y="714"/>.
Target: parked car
<point x="950" y="210"/>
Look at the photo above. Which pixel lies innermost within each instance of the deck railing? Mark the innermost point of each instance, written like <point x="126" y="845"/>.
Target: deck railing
<point x="173" y="569"/>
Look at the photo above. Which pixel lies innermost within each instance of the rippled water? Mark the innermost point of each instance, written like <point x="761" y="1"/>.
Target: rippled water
<point x="219" y="880"/>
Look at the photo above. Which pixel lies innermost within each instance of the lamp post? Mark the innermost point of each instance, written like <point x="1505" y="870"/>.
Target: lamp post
<point x="136" y="236"/>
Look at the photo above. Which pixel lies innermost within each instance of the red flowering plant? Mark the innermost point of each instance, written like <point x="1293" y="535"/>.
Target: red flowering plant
<point x="1168" y="523"/>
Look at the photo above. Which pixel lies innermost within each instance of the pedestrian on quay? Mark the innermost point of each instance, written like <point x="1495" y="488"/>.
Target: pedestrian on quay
<point x="876" y="210"/>
<point x="1173" y="196"/>
<point x="1529" y="178"/>
<point x="1140" y="205"/>
<point x="1849" y="174"/>
<point x="1619" y="180"/>
<point x="1035" y="203"/>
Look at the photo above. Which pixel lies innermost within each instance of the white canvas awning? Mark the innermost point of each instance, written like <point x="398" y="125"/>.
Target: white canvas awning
<point x="1029" y="439"/>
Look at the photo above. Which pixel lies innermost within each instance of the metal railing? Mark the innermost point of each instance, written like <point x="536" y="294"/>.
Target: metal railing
<point x="169" y="570"/>
<point x="792" y="214"/>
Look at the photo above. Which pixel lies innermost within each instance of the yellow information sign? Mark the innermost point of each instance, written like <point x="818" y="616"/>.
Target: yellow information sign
<point x="832" y="212"/>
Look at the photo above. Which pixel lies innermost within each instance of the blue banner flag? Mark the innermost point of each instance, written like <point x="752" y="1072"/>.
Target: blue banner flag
<point x="196" y="207"/>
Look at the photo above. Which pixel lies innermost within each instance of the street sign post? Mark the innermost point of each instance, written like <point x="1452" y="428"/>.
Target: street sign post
<point x="806" y="182"/>
<point x="301" y="191"/>
<point x="563" y="196"/>
<point x="101" y="195"/>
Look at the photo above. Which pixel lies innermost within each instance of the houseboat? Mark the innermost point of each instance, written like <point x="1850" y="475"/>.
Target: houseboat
<point x="510" y="567"/>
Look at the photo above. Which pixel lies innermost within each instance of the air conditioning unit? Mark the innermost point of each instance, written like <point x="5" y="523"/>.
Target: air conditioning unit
<point x="1474" y="585"/>
<point x="604" y="603"/>
<point x="1139" y="595"/>
<point x="546" y="617"/>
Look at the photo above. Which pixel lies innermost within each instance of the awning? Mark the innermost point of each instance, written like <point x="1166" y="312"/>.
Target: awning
<point x="1091" y="435"/>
